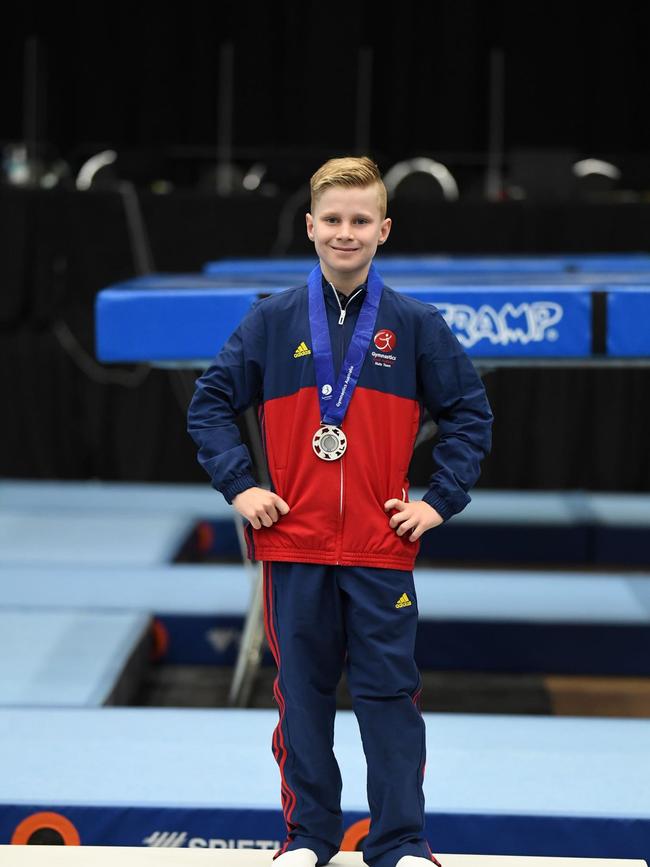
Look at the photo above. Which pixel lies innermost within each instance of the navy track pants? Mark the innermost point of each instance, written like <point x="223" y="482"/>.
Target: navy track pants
<point x="317" y="619"/>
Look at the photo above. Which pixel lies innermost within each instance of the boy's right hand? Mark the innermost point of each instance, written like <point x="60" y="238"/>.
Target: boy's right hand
<point x="260" y="506"/>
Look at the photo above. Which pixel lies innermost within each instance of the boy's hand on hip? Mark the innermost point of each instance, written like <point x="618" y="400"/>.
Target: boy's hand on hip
<point x="260" y="506"/>
<point x="417" y="516"/>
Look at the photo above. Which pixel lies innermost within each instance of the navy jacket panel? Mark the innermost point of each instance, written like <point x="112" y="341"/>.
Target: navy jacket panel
<point x="231" y="384"/>
<point x="455" y="396"/>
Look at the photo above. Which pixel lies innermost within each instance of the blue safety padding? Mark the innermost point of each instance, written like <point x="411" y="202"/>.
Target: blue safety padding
<point x="65" y="657"/>
<point x="139" y="501"/>
<point x="169" y="281"/>
<point x="393" y="265"/>
<point x="441" y="265"/>
<point x="166" y="324"/>
<point x="496" y="784"/>
<point x="490" y="507"/>
<point x="509" y="321"/>
<point x="88" y="537"/>
<point x="183" y="324"/>
<point x="634" y="263"/>
<point x="276" y="281"/>
<point x="461" y="542"/>
<point x="628" y="320"/>
<point x="449" y="645"/>
<point x="585" y="546"/>
<point x="481" y="620"/>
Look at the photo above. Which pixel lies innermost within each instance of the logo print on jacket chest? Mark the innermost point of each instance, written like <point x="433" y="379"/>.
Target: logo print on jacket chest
<point x="301" y="349"/>
<point x="385" y="342"/>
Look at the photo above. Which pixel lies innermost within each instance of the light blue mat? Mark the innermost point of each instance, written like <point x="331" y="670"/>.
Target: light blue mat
<point x="202" y="501"/>
<point x="484" y="763"/>
<point x="69" y="658"/>
<point x="455" y="594"/>
<point x="493" y="784"/>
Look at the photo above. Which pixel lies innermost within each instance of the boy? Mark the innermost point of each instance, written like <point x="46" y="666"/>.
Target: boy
<point x="342" y="369"/>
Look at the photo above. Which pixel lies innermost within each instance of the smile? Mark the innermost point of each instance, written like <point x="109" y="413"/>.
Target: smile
<point x="345" y="249"/>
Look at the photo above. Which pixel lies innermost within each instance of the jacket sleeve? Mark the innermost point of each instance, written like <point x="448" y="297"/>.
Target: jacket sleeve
<point x="455" y="396"/>
<point x="227" y="388"/>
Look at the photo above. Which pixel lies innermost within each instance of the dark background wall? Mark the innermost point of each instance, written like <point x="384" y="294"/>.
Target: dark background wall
<point x="148" y="74"/>
<point x="149" y="81"/>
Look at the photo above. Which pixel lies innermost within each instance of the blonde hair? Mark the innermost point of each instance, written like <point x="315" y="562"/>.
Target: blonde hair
<point x="348" y="172"/>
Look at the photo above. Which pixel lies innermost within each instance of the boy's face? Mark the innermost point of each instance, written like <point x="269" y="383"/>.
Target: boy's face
<point x="346" y="229"/>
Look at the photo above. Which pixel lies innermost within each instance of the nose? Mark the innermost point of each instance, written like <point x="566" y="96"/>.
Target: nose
<point x="345" y="231"/>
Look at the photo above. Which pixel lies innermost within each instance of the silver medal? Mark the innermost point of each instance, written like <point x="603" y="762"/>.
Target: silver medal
<point x="329" y="442"/>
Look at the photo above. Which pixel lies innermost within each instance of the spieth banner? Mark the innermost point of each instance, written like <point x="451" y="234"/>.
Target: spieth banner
<point x="500" y="322"/>
<point x="482" y="830"/>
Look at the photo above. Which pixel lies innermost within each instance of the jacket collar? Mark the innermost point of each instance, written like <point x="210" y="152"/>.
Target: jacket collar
<point x="357" y="300"/>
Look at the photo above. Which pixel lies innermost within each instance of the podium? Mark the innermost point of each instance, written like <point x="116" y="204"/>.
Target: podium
<point x="134" y="856"/>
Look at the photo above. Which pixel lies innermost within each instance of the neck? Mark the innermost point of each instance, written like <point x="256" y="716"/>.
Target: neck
<point x="344" y="283"/>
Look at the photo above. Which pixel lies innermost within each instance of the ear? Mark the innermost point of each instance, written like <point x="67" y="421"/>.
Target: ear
<point x="385" y="230"/>
<point x="310" y="226"/>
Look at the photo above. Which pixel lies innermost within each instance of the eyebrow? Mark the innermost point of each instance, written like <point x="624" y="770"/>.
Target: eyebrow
<point x="336" y="214"/>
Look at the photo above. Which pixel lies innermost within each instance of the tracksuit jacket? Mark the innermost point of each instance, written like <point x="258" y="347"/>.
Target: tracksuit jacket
<point x="337" y="516"/>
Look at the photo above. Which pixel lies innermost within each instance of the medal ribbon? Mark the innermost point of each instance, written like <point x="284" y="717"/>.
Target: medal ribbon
<point x="333" y="405"/>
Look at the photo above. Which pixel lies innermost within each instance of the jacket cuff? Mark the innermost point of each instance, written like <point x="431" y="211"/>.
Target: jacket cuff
<point x="434" y="499"/>
<point x="241" y="483"/>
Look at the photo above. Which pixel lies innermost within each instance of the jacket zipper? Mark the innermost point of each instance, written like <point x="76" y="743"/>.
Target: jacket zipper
<point x="342" y="342"/>
<point x="343" y="309"/>
<point x="341" y="321"/>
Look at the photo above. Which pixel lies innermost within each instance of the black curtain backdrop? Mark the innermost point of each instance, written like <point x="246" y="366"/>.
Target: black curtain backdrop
<point x="554" y="428"/>
<point x="143" y="74"/>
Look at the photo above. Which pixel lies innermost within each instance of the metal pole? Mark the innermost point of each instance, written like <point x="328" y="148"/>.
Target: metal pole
<point x="34" y="100"/>
<point x="225" y="119"/>
<point x="493" y="176"/>
<point x="364" y="101"/>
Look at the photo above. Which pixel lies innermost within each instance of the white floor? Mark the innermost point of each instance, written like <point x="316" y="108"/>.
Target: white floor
<point x="130" y="856"/>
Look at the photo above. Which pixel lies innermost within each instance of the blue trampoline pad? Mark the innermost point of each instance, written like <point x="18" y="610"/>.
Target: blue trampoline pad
<point x="186" y="325"/>
<point x="443" y="594"/>
<point x="628" y="320"/>
<point x="146" y="324"/>
<point x="493" y="783"/>
<point x="143" y="498"/>
<point x="90" y="537"/>
<point x="430" y="265"/>
<point x="64" y="657"/>
<point x="475" y="762"/>
<point x="488" y="505"/>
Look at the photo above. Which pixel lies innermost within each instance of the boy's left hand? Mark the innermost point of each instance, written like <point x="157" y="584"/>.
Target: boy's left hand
<point x="417" y="516"/>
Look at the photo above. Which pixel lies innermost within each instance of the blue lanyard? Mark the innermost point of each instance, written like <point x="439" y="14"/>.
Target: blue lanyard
<point x="335" y="399"/>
